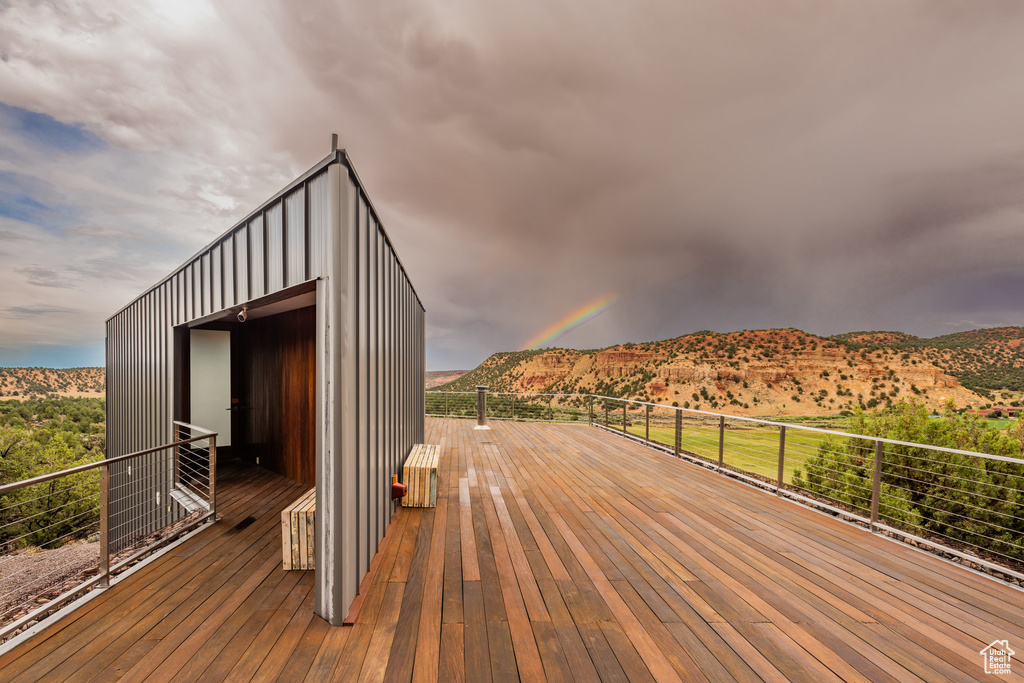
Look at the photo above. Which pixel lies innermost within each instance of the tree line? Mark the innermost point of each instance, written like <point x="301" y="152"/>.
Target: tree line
<point x="41" y="437"/>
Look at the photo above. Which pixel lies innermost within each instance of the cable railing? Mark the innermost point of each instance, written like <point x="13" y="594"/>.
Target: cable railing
<point x="509" y="406"/>
<point x="964" y="505"/>
<point x="65" y="533"/>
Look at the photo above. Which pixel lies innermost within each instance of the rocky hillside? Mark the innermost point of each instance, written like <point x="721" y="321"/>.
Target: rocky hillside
<point x="762" y="372"/>
<point x="986" y="360"/>
<point x="25" y="383"/>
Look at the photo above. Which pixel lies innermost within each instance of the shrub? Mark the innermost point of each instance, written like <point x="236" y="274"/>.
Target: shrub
<point x="972" y="500"/>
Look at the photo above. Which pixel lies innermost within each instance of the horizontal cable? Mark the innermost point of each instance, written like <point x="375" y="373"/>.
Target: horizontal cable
<point x="925" y="531"/>
<point x="969" y="519"/>
<point x="67" y="520"/>
<point x="933" y="485"/>
<point x="50" y="495"/>
<point x="945" y="463"/>
<point x="47" y="512"/>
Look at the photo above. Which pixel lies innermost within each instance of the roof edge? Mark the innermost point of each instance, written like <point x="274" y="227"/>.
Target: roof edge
<point x="336" y="156"/>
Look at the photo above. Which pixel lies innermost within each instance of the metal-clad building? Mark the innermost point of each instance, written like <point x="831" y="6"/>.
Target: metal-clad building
<point x="322" y="382"/>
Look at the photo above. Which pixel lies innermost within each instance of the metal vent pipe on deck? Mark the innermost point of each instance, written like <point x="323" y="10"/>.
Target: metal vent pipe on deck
<point x="481" y="407"/>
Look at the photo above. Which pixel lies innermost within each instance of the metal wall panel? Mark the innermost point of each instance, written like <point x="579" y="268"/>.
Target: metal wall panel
<point x="257" y="259"/>
<point x="319" y="217"/>
<point x="216" y="280"/>
<point x="206" y="280"/>
<point x="197" y="288"/>
<point x="295" y="237"/>
<point x="376" y="331"/>
<point x="363" y="387"/>
<point x="275" y="260"/>
<point x="242" y="265"/>
<point x="228" y="283"/>
<point x="138" y="405"/>
<point x="372" y="388"/>
<point x="179" y="283"/>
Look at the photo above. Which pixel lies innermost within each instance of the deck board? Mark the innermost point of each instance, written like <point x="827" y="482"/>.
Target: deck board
<point x="555" y="553"/>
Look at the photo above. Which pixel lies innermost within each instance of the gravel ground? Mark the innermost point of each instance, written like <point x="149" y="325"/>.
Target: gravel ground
<point x="33" y="577"/>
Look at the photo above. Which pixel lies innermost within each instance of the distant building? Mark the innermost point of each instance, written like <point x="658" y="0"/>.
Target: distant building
<point x="999" y="411"/>
<point x="298" y="337"/>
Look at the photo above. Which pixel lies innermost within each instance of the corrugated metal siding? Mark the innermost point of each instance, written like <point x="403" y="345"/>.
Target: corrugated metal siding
<point x="378" y="409"/>
<point x="319" y="225"/>
<point x="216" y="281"/>
<point x="257" y="259"/>
<point x="138" y="413"/>
<point x="242" y="265"/>
<point x="295" y="237"/>
<point x="308" y="231"/>
<point x="228" y="283"/>
<point x="206" y="283"/>
<point x="275" y="253"/>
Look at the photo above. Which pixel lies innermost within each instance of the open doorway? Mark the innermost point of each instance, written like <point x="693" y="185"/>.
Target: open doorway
<point x="253" y="381"/>
<point x="273" y="392"/>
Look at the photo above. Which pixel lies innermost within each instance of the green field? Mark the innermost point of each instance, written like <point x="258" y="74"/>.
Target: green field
<point x="753" y="450"/>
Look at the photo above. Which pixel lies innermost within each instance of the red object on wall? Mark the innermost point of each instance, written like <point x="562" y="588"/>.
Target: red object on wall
<point x="398" y="490"/>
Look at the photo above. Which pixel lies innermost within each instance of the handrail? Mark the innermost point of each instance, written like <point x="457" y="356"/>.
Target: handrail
<point x="6" y="488"/>
<point x="831" y="432"/>
<point x="134" y="539"/>
<point x="194" y="428"/>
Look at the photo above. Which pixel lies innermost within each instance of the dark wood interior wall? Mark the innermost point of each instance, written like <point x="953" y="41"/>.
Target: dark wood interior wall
<point x="274" y="380"/>
<point x="182" y="357"/>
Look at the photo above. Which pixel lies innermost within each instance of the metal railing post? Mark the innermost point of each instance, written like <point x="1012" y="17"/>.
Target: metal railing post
<point x="176" y="435"/>
<point x="721" y="440"/>
<point x="624" y="406"/>
<point x="782" y="457"/>
<point x="551" y="412"/>
<point x="213" y="476"/>
<point x="606" y="412"/>
<point x="590" y="409"/>
<point x="513" y="406"/>
<point x="647" y="423"/>
<point x="481" y="407"/>
<point x="679" y="433"/>
<point x="446" y="404"/>
<point x="104" y="525"/>
<point x="876" y="485"/>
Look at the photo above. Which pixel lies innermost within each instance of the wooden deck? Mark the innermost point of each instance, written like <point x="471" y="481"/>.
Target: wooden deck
<point x="554" y="553"/>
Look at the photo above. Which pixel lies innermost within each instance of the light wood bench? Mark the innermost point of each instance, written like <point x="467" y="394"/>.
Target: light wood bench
<point x="297" y="524"/>
<point x="420" y="475"/>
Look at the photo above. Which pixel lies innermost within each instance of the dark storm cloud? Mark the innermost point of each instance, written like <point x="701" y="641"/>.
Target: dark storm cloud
<point x="832" y="165"/>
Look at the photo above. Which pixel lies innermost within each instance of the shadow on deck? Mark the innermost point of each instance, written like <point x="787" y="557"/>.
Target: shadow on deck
<point x="555" y="552"/>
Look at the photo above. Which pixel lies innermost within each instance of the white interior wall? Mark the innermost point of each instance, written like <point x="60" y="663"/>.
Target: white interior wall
<point x="210" y="382"/>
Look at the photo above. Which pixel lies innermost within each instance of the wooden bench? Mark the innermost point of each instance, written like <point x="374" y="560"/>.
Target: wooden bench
<point x="420" y="475"/>
<point x="297" y="524"/>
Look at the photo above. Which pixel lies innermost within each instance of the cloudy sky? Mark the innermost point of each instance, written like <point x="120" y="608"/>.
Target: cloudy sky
<point x="708" y="164"/>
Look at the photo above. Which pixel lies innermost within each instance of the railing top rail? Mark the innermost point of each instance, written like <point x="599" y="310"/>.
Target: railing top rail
<point x="503" y="393"/>
<point x="194" y="428"/>
<point x="819" y="430"/>
<point x="526" y="393"/>
<point x="6" y="488"/>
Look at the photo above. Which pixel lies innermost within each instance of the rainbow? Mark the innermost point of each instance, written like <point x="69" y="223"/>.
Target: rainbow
<point x="572" y="321"/>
